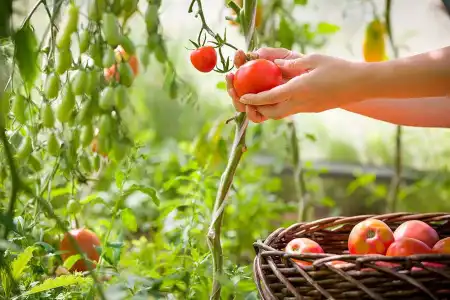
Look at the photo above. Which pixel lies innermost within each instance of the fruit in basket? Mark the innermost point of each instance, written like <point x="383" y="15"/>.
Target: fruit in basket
<point x="301" y="246"/>
<point x="407" y="246"/>
<point x="370" y="236"/>
<point x="418" y="230"/>
<point x="442" y="246"/>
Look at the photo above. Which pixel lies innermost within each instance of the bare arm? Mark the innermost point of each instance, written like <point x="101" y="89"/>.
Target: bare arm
<point x="418" y="76"/>
<point x="411" y="91"/>
<point x="417" y="112"/>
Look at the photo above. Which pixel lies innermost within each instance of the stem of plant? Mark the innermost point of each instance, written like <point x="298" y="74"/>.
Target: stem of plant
<point x="398" y="161"/>
<point x="301" y="191"/>
<point x="237" y="150"/>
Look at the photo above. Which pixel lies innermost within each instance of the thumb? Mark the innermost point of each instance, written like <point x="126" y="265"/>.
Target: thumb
<point x="295" y="67"/>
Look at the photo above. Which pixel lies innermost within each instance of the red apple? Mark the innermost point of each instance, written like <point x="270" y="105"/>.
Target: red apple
<point x="303" y="245"/>
<point x="417" y="230"/>
<point x="370" y="236"/>
<point x="407" y="246"/>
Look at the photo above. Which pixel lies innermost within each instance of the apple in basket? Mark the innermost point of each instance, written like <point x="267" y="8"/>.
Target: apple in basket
<point x="303" y="245"/>
<point x="418" y="230"/>
<point x="370" y="236"/>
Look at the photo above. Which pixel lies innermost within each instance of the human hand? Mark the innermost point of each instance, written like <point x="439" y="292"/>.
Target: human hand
<point x="265" y="53"/>
<point x="330" y="83"/>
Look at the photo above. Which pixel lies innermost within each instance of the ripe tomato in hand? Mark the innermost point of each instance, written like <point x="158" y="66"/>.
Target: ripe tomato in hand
<point x="87" y="241"/>
<point x="407" y="246"/>
<point x="204" y="59"/>
<point x="370" y="236"/>
<point x="303" y="245"/>
<point x="417" y="230"/>
<point x="257" y="76"/>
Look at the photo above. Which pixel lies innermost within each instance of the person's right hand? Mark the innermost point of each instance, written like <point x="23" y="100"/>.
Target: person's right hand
<point x="265" y="53"/>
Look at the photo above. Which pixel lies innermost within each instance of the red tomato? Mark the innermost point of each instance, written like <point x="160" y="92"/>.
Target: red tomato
<point x="303" y="245"/>
<point x="370" y="236"/>
<point x="407" y="246"/>
<point x="86" y="240"/>
<point x="204" y="59"/>
<point x="257" y="76"/>
<point x="442" y="246"/>
<point x="417" y="230"/>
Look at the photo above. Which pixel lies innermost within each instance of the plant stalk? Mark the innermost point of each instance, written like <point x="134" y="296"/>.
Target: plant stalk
<point x="394" y="188"/>
<point x="237" y="150"/>
<point x="301" y="191"/>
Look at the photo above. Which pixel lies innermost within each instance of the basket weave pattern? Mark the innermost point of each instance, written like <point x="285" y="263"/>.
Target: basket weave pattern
<point x="277" y="276"/>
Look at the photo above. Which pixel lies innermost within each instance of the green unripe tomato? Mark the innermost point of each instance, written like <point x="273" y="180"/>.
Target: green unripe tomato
<point x="25" y="148"/>
<point x="126" y="74"/>
<point x="85" y="38"/>
<point x="18" y="108"/>
<point x="106" y="100"/>
<point x="52" y="84"/>
<point x="79" y="82"/>
<point x="63" y="61"/>
<point x="87" y="134"/>
<point x="53" y="145"/>
<point x="121" y="97"/>
<point x="48" y="118"/>
<point x="111" y="30"/>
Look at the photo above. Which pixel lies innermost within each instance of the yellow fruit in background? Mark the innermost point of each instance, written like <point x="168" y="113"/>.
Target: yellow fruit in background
<point x="374" y="48"/>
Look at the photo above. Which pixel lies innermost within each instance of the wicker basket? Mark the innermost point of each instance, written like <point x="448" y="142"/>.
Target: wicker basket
<point x="361" y="277"/>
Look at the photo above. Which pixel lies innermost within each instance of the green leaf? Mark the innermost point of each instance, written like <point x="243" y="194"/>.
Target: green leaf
<point x="129" y="220"/>
<point x="301" y="2"/>
<point x="26" y="54"/>
<point x="327" y="28"/>
<point x="61" y="281"/>
<point x="68" y="263"/>
<point x="92" y="198"/>
<point x="146" y="190"/>
<point x="120" y="177"/>
<point x="21" y="262"/>
<point x="5" y="245"/>
<point x="285" y="34"/>
<point x="221" y="85"/>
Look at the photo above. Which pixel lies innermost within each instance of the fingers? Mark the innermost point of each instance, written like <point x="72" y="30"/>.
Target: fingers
<point x="253" y="114"/>
<point x="232" y="93"/>
<point x="295" y="67"/>
<point x="266" y="53"/>
<point x="276" y="95"/>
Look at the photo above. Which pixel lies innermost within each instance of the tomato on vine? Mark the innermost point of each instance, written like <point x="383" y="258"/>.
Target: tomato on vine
<point x="73" y="207"/>
<point x="110" y="29"/>
<point x="79" y="82"/>
<point x="87" y="134"/>
<point x="52" y="84"/>
<point x="25" y="148"/>
<point x="107" y="98"/>
<point x="85" y="38"/>
<point x="19" y="108"/>
<point x="65" y="108"/>
<point x="69" y="26"/>
<point x="126" y="74"/>
<point x="204" y="58"/>
<point x="63" y="61"/>
<point x="95" y="9"/>
<point x="109" y="58"/>
<point x="48" y="118"/>
<point x="121" y="97"/>
<point x="87" y="241"/>
<point x="53" y="145"/>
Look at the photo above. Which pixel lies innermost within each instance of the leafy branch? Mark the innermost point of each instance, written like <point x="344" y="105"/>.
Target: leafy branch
<point x="237" y="150"/>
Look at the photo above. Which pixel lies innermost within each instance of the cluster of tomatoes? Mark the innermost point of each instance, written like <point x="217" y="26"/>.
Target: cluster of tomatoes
<point x="253" y="77"/>
<point x="374" y="237"/>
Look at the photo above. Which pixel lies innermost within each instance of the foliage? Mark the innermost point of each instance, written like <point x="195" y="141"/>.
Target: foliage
<point x="141" y="168"/>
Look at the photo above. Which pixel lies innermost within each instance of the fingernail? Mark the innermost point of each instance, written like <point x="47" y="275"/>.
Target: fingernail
<point x="279" y="62"/>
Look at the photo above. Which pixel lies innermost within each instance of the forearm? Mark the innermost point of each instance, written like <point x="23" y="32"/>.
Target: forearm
<point x="422" y="75"/>
<point x="418" y="112"/>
